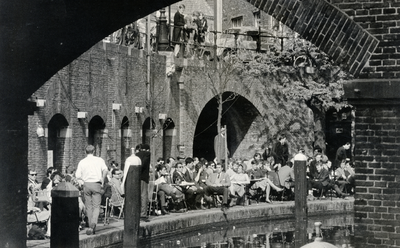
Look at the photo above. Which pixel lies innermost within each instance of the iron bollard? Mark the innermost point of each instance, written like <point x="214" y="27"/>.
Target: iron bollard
<point x="64" y="216"/>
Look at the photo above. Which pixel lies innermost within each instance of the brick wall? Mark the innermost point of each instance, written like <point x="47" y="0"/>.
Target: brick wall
<point x="104" y="75"/>
<point x="379" y="18"/>
<point x="377" y="158"/>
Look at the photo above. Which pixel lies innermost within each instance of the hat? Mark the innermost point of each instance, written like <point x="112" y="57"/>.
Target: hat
<point x="181" y="157"/>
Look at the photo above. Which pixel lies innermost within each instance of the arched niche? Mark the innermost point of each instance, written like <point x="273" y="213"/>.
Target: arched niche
<point x="97" y="135"/>
<point x="126" y="140"/>
<point x="58" y="140"/>
<point x="169" y="138"/>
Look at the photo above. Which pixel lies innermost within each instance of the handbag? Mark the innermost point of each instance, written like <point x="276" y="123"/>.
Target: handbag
<point x="41" y="196"/>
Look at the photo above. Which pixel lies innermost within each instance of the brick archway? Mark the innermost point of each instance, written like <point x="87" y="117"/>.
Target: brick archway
<point x="327" y="27"/>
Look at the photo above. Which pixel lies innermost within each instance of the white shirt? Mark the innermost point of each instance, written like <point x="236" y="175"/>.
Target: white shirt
<point x="132" y="160"/>
<point x="90" y="169"/>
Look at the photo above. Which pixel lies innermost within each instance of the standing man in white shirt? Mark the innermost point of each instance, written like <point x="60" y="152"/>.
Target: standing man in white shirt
<point x="92" y="171"/>
<point x="131" y="160"/>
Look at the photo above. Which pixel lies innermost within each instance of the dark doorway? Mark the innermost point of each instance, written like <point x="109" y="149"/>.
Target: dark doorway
<point x="238" y="116"/>
<point x="96" y="132"/>
<point x="169" y="138"/>
<point x="126" y="140"/>
<point x="57" y="135"/>
<point x="148" y="128"/>
<point x="338" y="131"/>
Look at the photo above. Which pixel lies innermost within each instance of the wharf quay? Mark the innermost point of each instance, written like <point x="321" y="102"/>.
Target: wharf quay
<point x="198" y="221"/>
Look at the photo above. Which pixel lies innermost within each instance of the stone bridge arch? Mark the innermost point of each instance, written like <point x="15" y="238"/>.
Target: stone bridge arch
<point x="239" y="115"/>
<point x="327" y="27"/>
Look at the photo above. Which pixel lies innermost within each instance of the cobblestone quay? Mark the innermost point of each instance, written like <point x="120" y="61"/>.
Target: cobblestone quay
<point x="174" y="223"/>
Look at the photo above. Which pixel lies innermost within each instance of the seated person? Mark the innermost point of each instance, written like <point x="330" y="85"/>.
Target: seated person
<point x="33" y="186"/>
<point x="116" y="198"/>
<point x="286" y="175"/>
<point x="239" y="181"/>
<point x="70" y="177"/>
<point x="232" y="170"/>
<point x="322" y="181"/>
<point x="219" y="183"/>
<point x="326" y="163"/>
<point x="201" y="170"/>
<point x="262" y="181"/>
<point x="46" y="183"/>
<point x="193" y="193"/>
<point x="344" y="176"/>
<point x="165" y="188"/>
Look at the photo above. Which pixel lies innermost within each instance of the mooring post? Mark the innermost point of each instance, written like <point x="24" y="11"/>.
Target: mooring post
<point x="132" y="207"/>
<point x="300" y="190"/>
<point x="64" y="216"/>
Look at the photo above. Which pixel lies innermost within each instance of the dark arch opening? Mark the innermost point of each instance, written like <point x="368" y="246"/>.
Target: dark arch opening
<point x="147" y="128"/>
<point x="126" y="139"/>
<point x="169" y="138"/>
<point x="96" y="131"/>
<point x="338" y="130"/>
<point x="57" y="134"/>
<point x="238" y="115"/>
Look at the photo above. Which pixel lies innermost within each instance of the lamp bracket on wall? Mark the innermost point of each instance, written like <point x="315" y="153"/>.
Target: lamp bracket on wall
<point x="162" y="117"/>
<point x="40" y="103"/>
<point x="116" y="106"/>
<point x="138" y="110"/>
<point x="82" y="115"/>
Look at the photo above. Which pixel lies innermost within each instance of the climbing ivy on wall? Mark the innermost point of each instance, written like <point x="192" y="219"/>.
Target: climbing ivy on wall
<point x="300" y="72"/>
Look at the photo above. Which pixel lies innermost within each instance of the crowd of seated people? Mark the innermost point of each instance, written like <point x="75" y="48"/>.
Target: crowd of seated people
<point x="322" y="177"/>
<point x="256" y="179"/>
<point x="39" y="203"/>
<point x="189" y="183"/>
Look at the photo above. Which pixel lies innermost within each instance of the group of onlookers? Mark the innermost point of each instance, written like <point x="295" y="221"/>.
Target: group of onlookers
<point x="189" y="31"/>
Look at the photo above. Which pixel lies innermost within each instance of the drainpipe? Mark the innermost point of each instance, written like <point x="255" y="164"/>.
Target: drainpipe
<point x="148" y="89"/>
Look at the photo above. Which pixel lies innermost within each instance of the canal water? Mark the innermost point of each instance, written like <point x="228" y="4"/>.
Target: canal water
<point x="336" y="229"/>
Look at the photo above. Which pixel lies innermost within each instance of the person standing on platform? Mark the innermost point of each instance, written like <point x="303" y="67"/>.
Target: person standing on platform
<point x="144" y="155"/>
<point x="341" y="154"/>
<point x="280" y="151"/>
<point x="92" y="171"/>
<point x="220" y="146"/>
<point x="179" y="26"/>
<point x="131" y="160"/>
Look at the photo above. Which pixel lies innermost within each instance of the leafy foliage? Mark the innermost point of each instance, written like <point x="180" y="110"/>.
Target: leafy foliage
<point x="301" y="71"/>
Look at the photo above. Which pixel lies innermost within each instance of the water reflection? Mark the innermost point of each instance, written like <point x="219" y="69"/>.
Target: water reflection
<point x="336" y="229"/>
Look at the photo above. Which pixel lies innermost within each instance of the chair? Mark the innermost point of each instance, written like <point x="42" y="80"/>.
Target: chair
<point x="116" y="202"/>
<point x="105" y="208"/>
<point x="216" y="199"/>
<point x="274" y="177"/>
<point x="153" y="199"/>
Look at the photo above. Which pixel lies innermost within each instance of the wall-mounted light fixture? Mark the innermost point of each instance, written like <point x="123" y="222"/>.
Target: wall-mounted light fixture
<point x="82" y="115"/>
<point x="162" y="117"/>
<point x="40" y="103"/>
<point x="138" y="110"/>
<point x="116" y="106"/>
<point x="40" y="131"/>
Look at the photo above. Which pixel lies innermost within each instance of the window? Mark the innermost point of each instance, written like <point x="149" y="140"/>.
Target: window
<point x="237" y="21"/>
